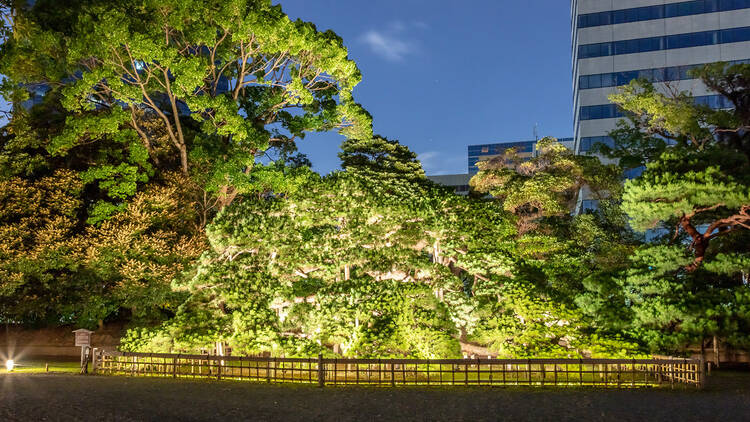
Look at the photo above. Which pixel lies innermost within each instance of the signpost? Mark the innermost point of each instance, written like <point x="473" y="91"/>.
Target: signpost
<point x="83" y="340"/>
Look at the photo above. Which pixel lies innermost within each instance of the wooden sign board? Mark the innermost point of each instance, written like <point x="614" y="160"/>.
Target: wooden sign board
<point x="83" y="337"/>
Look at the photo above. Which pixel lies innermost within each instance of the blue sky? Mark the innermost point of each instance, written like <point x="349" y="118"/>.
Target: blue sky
<point x="439" y="75"/>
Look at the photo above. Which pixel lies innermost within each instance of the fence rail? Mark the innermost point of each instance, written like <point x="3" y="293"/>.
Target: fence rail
<point x="621" y="373"/>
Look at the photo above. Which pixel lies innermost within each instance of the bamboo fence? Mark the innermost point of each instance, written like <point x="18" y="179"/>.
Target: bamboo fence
<point x="617" y="373"/>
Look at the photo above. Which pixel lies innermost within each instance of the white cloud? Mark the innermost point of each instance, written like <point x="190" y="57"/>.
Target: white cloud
<point x="436" y="163"/>
<point x="394" y="41"/>
<point x="388" y="45"/>
<point x="428" y="159"/>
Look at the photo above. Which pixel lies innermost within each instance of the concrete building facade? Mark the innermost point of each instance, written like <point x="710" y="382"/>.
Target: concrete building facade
<point x="459" y="182"/>
<point x="616" y="41"/>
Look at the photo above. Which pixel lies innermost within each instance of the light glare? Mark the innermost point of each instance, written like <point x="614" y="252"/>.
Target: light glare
<point x="9" y="364"/>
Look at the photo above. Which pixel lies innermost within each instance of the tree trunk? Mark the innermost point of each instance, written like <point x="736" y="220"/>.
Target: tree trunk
<point x="716" y="351"/>
<point x="183" y="159"/>
<point x="700" y="243"/>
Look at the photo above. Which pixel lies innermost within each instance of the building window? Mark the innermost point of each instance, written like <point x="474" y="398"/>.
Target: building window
<point x="588" y="142"/>
<point x="671" y="10"/>
<point x="641" y="45"/>
<point x="595" y="112"/>
<point x="664" y="74"/>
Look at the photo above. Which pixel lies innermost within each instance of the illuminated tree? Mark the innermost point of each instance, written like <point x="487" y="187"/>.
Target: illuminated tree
<point x="545" y="185"/>
<point x="51" y="272"/>
<point x="204" y="88"/>
<point x="701" y="185"/>
<point x="160" y="114"/>
<point x="691" y="285"/>
<point x="359" y="265"/>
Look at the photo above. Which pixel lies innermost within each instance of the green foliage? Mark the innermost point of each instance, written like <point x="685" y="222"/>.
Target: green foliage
<point x="673" y="309"/>
<point x="157" y="177"/>
<point x="368" y="266"/>
<point x="633" y="146"/>
<point x="704" y="178"/>
<point x="535" y="187"/>
<point x="53" y="273"/>
<point x="545" y="185"/>
<point x="683" y="182"/>
<point x="380" y="158"/>
<point x="160" y="113"/>
<point x="692" y="285"/>
<point x="204" y="87"/>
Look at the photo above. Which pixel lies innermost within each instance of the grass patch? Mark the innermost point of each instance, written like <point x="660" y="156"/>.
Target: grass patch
<point x="42" y="366"/>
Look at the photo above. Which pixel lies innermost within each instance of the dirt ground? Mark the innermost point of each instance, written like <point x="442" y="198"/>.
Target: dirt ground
<point x="63" y="397"/>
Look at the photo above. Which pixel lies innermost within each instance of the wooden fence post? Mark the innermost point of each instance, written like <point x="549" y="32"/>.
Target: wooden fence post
<point x="659" y="367"/>
<point x="580" y="371"/>
<point x="528" y="368"/>
<point x="321" y="371"/>
<point x="393" y="376"/>
<point x="94" y="360"/>
<point x="619" y="375"/>
<point x="671" y="373"/>
<point x="702" y="374"/>
<point x="555" y="369"/>
<point x="174" y="366"/>
<point x="606" y="372"/>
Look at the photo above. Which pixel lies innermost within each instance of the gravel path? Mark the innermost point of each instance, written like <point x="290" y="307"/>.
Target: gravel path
<point x="53" y="397"/>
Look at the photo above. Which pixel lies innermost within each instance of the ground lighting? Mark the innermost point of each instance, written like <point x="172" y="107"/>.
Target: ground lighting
<point x="9" y="364"/>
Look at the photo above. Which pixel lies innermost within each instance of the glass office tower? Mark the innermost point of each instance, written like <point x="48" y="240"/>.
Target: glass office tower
<point x="616" y="41"/>
<point x="525" y="150"/>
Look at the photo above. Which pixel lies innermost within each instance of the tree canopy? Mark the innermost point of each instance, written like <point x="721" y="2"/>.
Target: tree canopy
<point x="701" y="184"/>
<point x="204" y="88"/>
<point x="133" y="124"/>
<point x="149" y="173"/>
<point x="690" y="283"/>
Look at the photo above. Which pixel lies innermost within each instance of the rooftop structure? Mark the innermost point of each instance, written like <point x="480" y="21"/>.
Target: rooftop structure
<point x="459" y="182"/>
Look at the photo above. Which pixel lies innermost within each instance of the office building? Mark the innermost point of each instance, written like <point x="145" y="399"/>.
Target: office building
<point x="616" y="41"/>
<point x="525" y="150"/>
<point x="459" y="182"/>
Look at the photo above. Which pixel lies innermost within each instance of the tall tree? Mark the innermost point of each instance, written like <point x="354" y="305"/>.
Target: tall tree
<point x="545" y="185"/>
<point x="221" y="81"/>
<point x="362" y="265"/>
<point x="159" y="114"/>
<point x="691" y="286"/>
<point x="700" y="185"/>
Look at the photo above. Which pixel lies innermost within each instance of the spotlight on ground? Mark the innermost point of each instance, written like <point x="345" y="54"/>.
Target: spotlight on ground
<point x="9" y="364"/>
